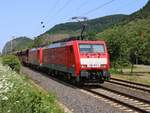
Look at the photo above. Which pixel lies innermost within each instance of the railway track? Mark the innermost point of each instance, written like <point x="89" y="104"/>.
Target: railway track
<point x="137" y="86"/>
<point x="133" y="103"/>
<point x="129" y="101"/>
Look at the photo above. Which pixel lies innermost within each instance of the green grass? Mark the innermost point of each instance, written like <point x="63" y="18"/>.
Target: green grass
<point x="140" y="74"/>
<point x="17" y="95"/>
<point x="144" y="79"/>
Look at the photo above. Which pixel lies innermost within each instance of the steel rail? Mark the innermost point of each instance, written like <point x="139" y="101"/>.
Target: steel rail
<point x="130" y="85"/>
<point x="125" y="81"/>
<point x="117" y="100"/>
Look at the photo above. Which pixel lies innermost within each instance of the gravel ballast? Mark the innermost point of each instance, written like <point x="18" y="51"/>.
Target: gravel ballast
<point x="127" y="90"/>
<point x="71" y="97"/>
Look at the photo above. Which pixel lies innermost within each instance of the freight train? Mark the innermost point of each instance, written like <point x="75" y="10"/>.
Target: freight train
<point x="79" y="61"/>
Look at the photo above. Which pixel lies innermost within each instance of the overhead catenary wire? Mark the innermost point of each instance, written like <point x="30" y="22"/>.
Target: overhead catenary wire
<point x="43" y="22"/>
<point x="85" y="14"/>
<point x="59" y="11"/>
<point x="82" y="4"/>
<point x="99" y="7"/>
<point x="63" y="7"/>
<point x="129" y="3"/>
<point x="125" y="4"/>
<point x="56" y="4"/>
<point x="68" y="1"/>
<point x="52" y="8"/>
<point x="90" y="11"/>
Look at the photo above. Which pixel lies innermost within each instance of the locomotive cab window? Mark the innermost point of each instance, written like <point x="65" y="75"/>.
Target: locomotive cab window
<point x="91" y="48"/>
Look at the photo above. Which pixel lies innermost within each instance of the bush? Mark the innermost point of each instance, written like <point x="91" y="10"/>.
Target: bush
<point x="19" y="96"/>
<point x="12" y="61"/>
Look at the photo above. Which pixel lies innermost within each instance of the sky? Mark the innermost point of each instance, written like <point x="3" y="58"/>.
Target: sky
<point x="24" y="17"/>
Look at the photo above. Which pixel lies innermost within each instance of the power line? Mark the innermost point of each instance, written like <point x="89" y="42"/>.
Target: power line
<point x="101" y="6"/>
<point x="129" y="3"/>
<point x="44" y="17"/>
<point x="61" y="9"/>
<point x="88" y="12"/>
<point x="86" y="3"/>
<point x="68" y="1"/>
<point x="56" y="4"/>
<point x="63" y="6"/>
<point x="82" y="4"/>
<point x="125" y="4"/>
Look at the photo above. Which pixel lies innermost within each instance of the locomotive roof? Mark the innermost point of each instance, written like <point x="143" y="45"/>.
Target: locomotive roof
<point x="63" y="44"/>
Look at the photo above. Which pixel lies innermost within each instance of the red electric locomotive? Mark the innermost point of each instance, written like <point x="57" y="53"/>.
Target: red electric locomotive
<point x="78" y="60"/>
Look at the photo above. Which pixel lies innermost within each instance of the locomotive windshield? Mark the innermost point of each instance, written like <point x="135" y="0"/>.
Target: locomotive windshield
<point x="92" y="48"/>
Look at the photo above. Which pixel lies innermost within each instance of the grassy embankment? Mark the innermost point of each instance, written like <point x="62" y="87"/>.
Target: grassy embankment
<point x="18" y="95"/>
<point x="141" y="74"/>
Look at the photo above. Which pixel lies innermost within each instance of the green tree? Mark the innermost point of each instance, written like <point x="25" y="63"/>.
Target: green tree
<point x="91" y="36"/>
